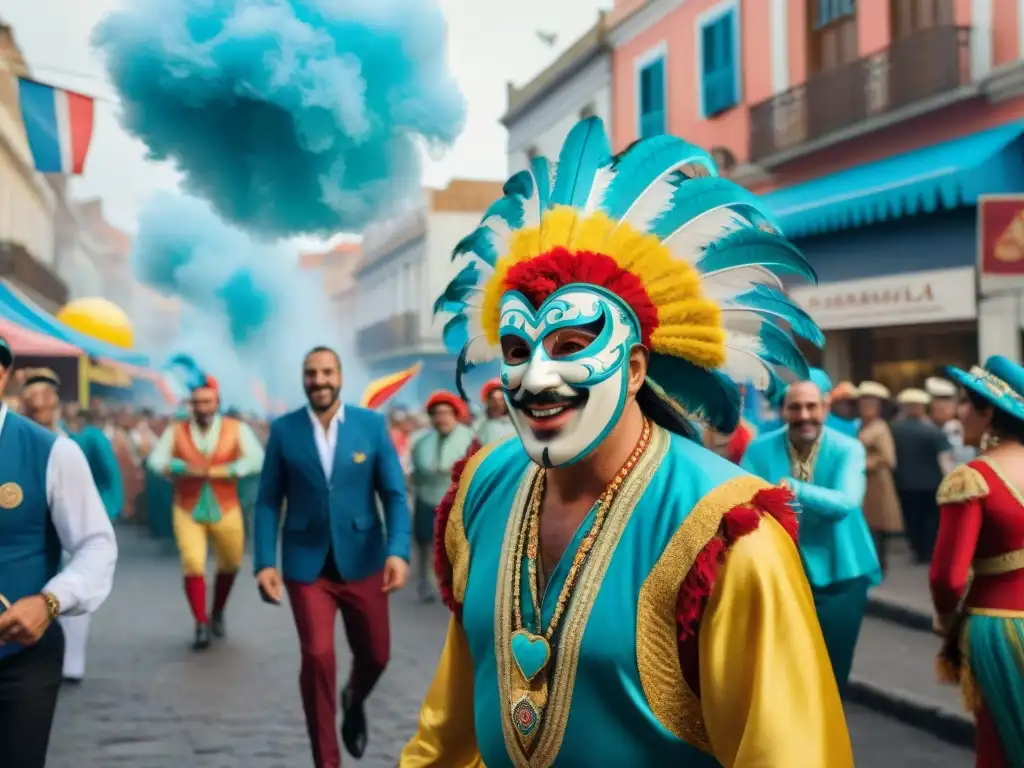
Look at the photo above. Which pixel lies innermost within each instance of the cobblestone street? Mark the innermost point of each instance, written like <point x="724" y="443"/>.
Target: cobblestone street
<point x="150" y="702"/>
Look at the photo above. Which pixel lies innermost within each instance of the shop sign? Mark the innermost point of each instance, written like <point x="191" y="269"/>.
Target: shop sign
<point x="1001" y="241"/>
<point x="109" y="376"/>
<point x="906" y="299"/>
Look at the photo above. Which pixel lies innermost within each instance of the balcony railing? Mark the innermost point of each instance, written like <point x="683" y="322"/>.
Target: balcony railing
<point x="397" y="332"/>
<point x="923" y="66"/>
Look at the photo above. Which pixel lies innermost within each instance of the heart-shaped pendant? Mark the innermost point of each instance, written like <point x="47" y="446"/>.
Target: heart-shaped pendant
<point x="531" y="653"/>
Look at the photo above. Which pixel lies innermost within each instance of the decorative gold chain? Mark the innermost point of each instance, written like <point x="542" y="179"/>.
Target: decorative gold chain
<point x="529" y="537"/>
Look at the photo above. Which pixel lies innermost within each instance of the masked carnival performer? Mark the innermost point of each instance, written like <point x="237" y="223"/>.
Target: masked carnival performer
<point x="621" y="595"/>
<point x="825" y="470"/>
<point x="496" y="423"/>
<point x="48" y="503"/>
<point x="205" y="457"/>
<point x="41" y="398"/>
<point x="981" y="529"/>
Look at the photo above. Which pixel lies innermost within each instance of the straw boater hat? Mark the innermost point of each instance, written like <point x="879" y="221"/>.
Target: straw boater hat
<point x="913" y="396"/>
<point x="873" y="389"/>
<point x="939" y="387"/>
<point x="41" y="376"/>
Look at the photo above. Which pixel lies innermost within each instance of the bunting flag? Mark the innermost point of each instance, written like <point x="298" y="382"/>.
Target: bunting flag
<point x="58" y="125"/>
<point x="379" y="392"/>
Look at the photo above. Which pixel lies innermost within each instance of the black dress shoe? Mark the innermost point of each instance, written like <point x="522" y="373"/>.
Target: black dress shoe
<point x="353" y="725"/>
<point x="217" y="625"/>
<point x="202" y="640"/>
<point x="72" y="681"/>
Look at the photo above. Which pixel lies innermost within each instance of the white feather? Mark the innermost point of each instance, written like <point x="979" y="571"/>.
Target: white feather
<point x="744" y="365"/>
<point x="689" y="241"/>
<point x="650" y="205"/>
<point x="602" y="179"/>
<point x="501" y="233"/>
<point x="741" y="320"/>
<point x="531" y="211"/>
<point x="479" y="351"/>
<point x="723" y="286"/>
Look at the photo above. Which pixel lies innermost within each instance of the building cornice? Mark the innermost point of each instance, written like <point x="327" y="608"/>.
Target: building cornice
<point x="640" y="20"/>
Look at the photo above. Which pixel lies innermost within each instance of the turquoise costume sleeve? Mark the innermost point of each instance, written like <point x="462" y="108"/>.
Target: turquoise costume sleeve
<point x="160" y="460"/>
<point x="252" y="453"/>
<point x="107" y="474"/>
<point x="847" y="497"/>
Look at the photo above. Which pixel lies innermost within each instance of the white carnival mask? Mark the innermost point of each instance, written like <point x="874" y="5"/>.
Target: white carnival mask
<point x="565" y="369"/>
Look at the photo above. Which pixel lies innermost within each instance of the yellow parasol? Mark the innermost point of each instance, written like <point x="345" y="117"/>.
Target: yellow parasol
<point x="380" y="391"/>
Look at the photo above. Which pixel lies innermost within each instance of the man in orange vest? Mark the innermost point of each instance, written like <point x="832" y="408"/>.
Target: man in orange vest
<point x="205" y="456"/>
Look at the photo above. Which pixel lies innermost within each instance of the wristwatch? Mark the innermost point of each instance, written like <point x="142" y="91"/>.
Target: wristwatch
<point x="52" y="605"/>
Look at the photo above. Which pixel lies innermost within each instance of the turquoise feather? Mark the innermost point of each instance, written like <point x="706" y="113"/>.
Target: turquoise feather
<point x="508" y="208"/>
<point x="461" y="366"/>
<point x="780" y="349"/>
<point x="459" y="288"/>
<point x="696" y="197"/>
<point x="767" y="300"/>
<point x="706" y="394"/>
<point x="456" y="334"/>
<point x="540" y="167"/>
<point x="478" y="242"/>
<point x="746" y="247"/>
<point x="584" y="152"/>
<point x="644" y="163"/>
<point x="520" y="184"/>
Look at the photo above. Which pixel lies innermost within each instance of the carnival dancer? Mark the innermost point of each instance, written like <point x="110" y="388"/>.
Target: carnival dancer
<point x="330" y="463"/>
<point x="621" y="595"/>
<point x="41" y="397"/>
<point x="434" y="454"/>
<point x="205" y="457"/>
<point x="825" y="470"/>
<point x="48" y="502"/>
<point x="496" y="423"/>
<point x="981" y="529"/>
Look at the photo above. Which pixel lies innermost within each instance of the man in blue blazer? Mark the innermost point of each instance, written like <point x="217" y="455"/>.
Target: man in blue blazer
<point x="825" y="469"/>
<point x="330" y="464"/>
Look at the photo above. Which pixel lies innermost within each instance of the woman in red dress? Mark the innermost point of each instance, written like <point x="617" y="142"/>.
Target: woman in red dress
<point x="981" y="528"/>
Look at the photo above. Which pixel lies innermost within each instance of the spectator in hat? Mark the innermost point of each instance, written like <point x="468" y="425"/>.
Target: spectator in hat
<point x="942" y="410"/>
<point x="923" y="457"/>
<point x="842" y="415"/>
<point x="881" y="504"/>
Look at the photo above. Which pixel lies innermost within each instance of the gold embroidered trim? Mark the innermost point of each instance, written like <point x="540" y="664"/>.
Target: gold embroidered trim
<point x="962" y="484"/>
<point x="456" y="544"/>
<point x="998" y="471"/>
<point x="996" y="613"/>
<point x="997" y="564"/>
<point x="657" y="638"/>
<point x="567" y="651"/>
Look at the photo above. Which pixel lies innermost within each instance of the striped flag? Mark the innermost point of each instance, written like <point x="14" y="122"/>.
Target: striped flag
<point x="378" y="392"/>
<point x="58" y="124"/>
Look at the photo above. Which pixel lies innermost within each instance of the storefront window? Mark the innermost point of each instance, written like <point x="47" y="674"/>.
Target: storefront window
<point x="905" y="356"/>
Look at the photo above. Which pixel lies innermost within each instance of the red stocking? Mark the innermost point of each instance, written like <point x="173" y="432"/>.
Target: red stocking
<point x="195" y="592"/>
<point x="221" y="590"/>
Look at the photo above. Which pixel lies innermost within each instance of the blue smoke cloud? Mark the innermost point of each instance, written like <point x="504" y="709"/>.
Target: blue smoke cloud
<point x="252" y="313"/>
<point x="289" y="116"/>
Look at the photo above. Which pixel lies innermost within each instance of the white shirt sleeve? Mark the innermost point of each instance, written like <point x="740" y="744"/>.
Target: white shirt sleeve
<point x="84" y="530"/>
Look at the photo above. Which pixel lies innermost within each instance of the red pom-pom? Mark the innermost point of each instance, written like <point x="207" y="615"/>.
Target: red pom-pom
<point x="539" y="277"/>
<point x="696" y="588"/>
<point x="442" y="565"/>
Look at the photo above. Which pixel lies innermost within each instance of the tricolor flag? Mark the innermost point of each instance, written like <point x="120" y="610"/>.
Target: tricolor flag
<point x="378" y="392"/>
<point x="58" y="124"/>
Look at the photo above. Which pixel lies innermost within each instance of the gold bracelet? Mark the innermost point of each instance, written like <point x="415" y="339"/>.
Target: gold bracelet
<point x="52" y="605"/>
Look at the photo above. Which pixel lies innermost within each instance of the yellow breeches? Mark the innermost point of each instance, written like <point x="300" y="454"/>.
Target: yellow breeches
<point x="226" y="537"/>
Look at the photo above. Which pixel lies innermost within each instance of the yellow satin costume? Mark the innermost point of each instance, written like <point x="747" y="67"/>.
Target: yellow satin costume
<point x="767" y="696"/>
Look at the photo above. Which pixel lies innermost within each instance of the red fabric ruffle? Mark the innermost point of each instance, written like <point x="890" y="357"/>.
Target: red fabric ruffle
<point x="442" y="565"/>
<point x="696" y="588"/>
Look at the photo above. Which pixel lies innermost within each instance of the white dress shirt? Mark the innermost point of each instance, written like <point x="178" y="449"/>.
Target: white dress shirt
<point x="83" y="528"/>
<point x="327" y="439"/>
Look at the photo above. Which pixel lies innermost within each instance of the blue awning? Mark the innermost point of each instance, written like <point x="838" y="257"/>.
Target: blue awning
<point x="23" y="312"/>
<point x="942" y="176"/>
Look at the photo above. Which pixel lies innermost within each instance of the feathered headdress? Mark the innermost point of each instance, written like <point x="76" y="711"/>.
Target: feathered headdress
<point x="698" y="258"/>
<point x="187" y="373"/>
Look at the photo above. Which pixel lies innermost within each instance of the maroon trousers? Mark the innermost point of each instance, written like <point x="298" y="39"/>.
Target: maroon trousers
<point x="364" y="610"/>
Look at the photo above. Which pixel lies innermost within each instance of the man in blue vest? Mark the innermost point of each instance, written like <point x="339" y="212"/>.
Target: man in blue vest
<point x="330" y="463"/>
<point x="48" y="503"/>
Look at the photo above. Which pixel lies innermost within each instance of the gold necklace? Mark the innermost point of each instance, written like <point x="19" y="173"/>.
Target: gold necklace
<point x="531" y="651"/>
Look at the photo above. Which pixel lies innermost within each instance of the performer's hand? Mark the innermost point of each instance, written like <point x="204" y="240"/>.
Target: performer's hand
<point x="25" y="621"/>
<point x="271" y="586"/>
<point x="396" y="573"/>
<point x="196" y="470"/>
